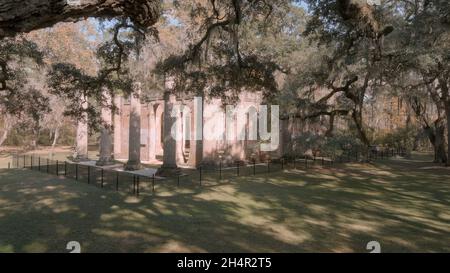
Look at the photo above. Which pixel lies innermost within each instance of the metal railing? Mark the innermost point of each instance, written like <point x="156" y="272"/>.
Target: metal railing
<point x="203" y="176"/>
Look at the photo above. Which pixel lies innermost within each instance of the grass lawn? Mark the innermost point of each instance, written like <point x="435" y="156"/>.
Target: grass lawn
<point x="60" y="153"/>
<point x="403" y="204"/>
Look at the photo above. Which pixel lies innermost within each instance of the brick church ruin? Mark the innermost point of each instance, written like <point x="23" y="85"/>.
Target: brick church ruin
<point x="143" y="132"/>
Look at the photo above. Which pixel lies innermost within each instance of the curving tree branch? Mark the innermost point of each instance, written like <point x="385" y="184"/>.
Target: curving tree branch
<point x="27" y="15"/>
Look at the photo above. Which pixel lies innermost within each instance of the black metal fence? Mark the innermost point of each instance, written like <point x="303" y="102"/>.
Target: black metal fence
<point x="202" y="176"/>
<point x="96" y="176"/>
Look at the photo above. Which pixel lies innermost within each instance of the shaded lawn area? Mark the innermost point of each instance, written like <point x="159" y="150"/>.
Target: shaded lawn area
<point x="403" y="204"/>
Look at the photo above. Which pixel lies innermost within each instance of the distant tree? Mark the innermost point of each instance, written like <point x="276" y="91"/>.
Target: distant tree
<point x="69" y="43"/>
<point x="18" y="97"/>
<point x="123" y="42"/>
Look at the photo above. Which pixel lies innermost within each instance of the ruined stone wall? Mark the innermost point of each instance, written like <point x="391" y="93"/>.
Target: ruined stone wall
<point x="190" y="152"/>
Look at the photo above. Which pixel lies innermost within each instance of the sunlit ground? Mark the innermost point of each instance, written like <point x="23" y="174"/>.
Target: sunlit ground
<point x="403" y="204"/>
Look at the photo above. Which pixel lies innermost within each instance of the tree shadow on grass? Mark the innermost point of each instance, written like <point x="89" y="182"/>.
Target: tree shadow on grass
<point x="344" y="208"/>
<point x="40" y="213"/>
<point x="317" y="210"/>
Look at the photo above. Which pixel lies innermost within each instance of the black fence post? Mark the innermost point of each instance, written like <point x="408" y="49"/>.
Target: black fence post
<point x="65" y="168"/>
<point x="237" y="168"/>
<point x="153" y="183"/>
<point x="220" y="169"/>
<point x="254" y="166"/>
<point x="57" y="167"/>
<point x="138" y="182"/>
<point x="282" y="163"/>
<point x="102" y="179"/>
<point x="117" y="181"/>
<point x="39" y="164"/>
<point x="76" y="171"/>
<point x="323" y="161"/>
<point x="9" y="165"/>
<point x="178" y="180"/>
<point x="295" y="159"/>
<point x="134" y="184"/>
<point x="89" y="174"/>
<point x="200" y="173"/>
<point x="48" y="165"/>
<point x="31" y="162"/>
<point x="24" y="161"/>
<point x="268" y="166"/>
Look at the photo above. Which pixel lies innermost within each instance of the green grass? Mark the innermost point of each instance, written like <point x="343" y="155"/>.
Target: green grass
<point x="60" y="154"/>
<point x="403" y="204"/>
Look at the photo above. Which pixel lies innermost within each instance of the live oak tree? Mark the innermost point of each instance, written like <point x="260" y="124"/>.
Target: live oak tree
<point x="431" y="37"/>
<point x="352" y="35"/>
<point x="123" y="43"/>
<point x="73" y="43"/>
<point x="421" y="56"/>
<point x="356" y="49"/>
<point x="17" y="17"/>
<point x="19" y="98"/>
<point x="219" y="60"/>
<point x="24" y="16"/>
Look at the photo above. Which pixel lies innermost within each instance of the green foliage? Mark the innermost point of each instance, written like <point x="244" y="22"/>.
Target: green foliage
<point x="17" y="57"/>
<point x="233" y="46"/>
<point x="21" y="135"/>
<point x="339" y="144"/>
<point x="75" y="85"/>
<point x="404" y="137"/>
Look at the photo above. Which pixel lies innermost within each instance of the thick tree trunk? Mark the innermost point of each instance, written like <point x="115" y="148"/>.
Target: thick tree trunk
<point x="36" y="133"/>
<point x="440" y="151"/>
<point x="447" y="115"/>
<point x="26" y="15"/>
<point x="445" y="98"/>
<point x="432" y="138"/>
<point x="55" y="138"/>
<point x="357" y="118"/>
<point x="329" y="132"/>
<point x="6" y="128"/>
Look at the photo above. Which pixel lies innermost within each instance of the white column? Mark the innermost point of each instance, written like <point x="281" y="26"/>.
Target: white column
<point x="169" y="166"/>
<point x="169" y="158"/>
<point x="118" y="128"/>
<point x="134" y="141"/>
<point x="106" y="157"/>
<point x="81" y="148"/>
<point x="152" y="133"/>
